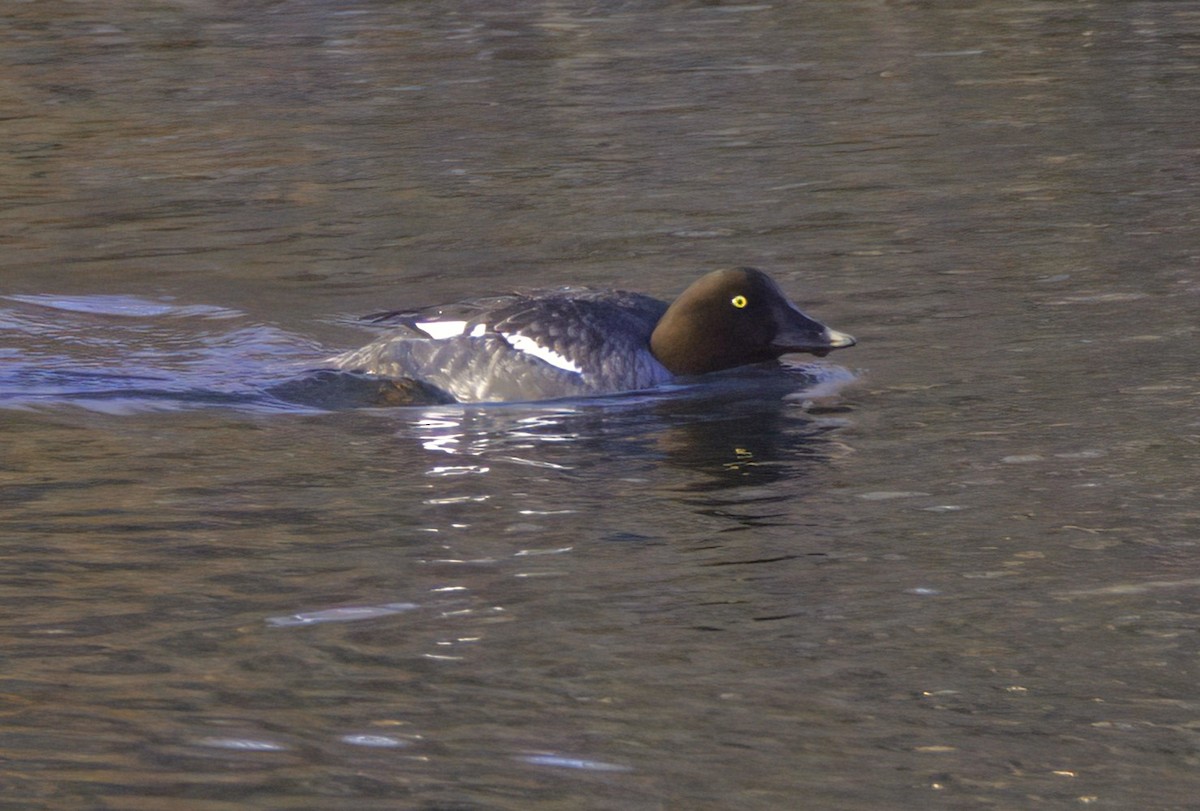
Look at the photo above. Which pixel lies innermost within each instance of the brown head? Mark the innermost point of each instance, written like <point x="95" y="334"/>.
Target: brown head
<point x="732" y="318"/>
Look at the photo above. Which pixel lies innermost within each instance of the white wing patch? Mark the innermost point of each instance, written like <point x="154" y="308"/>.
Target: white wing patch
<point x="441" y="330"/>
<point x="523" y="343"/>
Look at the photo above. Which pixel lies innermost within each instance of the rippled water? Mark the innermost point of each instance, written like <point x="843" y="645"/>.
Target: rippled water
<point x="961" y="574"/>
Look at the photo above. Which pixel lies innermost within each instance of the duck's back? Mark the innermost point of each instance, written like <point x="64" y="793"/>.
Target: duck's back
<point x="562" y="343"/>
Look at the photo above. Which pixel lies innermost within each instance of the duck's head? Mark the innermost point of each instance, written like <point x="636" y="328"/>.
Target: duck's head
<point x="735" y="317"/>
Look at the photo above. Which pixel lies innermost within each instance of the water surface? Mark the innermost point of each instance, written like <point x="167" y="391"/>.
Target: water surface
<point x="965" y="580"/>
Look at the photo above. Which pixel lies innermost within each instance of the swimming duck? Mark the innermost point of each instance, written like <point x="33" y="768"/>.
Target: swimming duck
<point x="580" y="342"/>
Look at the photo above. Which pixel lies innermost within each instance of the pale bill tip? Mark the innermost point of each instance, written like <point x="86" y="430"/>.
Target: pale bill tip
<point x="840" y="340"/>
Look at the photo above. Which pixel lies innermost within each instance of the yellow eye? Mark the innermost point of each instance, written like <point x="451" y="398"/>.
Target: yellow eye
<point x="739" y="301"/>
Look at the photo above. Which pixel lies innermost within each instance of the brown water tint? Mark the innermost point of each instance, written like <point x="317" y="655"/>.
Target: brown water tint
<point x="969" y="581"/>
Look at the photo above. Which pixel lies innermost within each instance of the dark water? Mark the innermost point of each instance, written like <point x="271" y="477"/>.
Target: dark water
<point x="968" y="579"/>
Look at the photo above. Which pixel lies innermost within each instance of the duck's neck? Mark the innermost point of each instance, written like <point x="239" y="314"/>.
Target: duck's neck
<point x="683" y="349"/>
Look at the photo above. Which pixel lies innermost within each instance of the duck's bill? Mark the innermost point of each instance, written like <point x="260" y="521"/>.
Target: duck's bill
<point x="820" y="341"/>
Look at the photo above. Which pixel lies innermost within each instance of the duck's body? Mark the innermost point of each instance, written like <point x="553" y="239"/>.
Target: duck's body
<point x="576" y="342"/>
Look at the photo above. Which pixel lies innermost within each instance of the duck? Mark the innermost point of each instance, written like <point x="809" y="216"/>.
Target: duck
<point x="574" y="342"/>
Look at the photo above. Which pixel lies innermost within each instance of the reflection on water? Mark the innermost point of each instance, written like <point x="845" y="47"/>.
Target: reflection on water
<point x="965" y="581"/>
<point x="166" y="567"/>
<point x="303" y="609"/>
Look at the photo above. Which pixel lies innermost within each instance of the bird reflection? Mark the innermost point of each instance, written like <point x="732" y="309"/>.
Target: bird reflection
<point x="749" y="430"/>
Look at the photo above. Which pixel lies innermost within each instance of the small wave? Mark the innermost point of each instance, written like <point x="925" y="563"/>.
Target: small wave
<point x="122" y="306"/>
<point x="350" y="613"/>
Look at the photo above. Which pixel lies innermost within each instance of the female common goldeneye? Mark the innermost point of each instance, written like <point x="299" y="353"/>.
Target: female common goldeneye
<point x="576" y="342"/>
